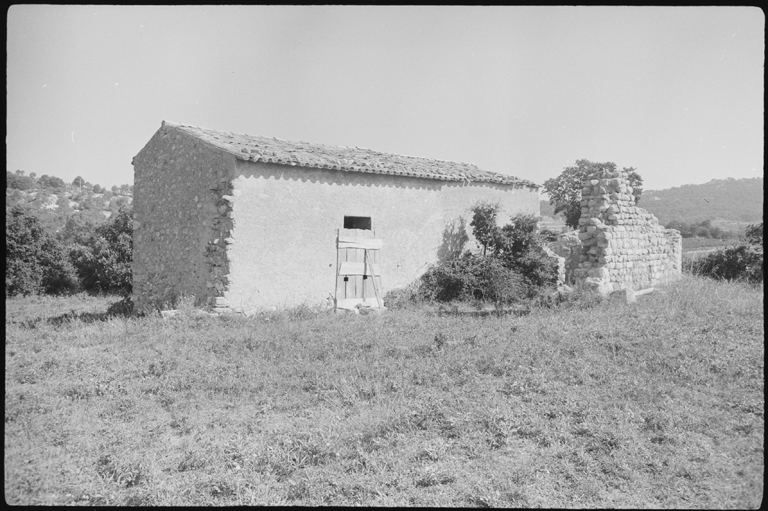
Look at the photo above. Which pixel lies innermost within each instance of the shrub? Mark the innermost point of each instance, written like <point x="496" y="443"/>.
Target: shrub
<point x="519" y="245"/>
<point x="742" y="262"/>
<point x="548" y="235"/>
<point x="79" y="227"/>
<point x="472" y="278"/>
<point x="104" y="262"/>
<point x="512" y="265"/>
<point x="59" y="274"/>
<point x="754" y="235"/>
<point x="703" y="229"/>
<point x="402" y="298"/>
<point x="122" y="307"/>
<point x="537" y="269"/>
<point x="35" y="261"/>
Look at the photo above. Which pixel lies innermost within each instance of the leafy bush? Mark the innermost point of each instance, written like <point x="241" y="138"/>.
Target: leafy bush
<point x="79" y="228"/>
<point x="35" y="261"/>
<point x="537" y="268"/>
<point x="402" y="297"/>
<point x="742" y="262"/>
<point x="122" y="307"/>
<point x="548" y="235"/>
<point x="104" y="262"/>
<point x="519" y="246"/>
<point x="472" y="278"/>
<point x="703" y="229"/>
<point x="754" y="235"/>
<point x="511" y="266"/>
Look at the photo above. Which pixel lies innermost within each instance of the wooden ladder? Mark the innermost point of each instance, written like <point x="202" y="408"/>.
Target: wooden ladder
<point x="352" y="273"/>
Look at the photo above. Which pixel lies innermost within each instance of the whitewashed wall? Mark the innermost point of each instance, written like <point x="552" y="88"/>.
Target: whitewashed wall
<point x="283" y="251"/>
<point x="260" y="235"/>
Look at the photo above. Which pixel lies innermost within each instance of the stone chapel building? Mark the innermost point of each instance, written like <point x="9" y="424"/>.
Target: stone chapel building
<point x="249" y="222"/>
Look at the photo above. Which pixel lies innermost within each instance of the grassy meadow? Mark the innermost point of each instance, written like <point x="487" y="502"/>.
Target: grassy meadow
<point x="657" y="404"/>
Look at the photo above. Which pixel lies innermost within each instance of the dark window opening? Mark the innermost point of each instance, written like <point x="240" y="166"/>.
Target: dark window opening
<point x="357" y="222"/>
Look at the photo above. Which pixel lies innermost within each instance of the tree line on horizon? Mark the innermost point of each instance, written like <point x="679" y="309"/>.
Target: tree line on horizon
<point x="19" y="180"/>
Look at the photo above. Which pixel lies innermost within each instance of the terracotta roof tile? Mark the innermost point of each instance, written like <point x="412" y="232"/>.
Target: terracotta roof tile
<point x="284" y="152"/>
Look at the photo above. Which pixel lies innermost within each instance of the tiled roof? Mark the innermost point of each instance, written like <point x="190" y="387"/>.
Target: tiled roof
<point x="274" y="150"/>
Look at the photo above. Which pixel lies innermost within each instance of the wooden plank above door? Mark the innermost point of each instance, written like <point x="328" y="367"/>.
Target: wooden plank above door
<point x="361" y="243"/>
<point x="358" y="268"/>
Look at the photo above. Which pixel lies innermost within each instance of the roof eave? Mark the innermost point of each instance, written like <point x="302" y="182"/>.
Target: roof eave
<point x="245" y="154"/>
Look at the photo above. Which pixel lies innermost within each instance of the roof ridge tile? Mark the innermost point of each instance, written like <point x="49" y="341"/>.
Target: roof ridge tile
<point x="272" y="149"/>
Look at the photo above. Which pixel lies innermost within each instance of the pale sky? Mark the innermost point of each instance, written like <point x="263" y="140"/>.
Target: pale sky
<point x="676" y="92"/>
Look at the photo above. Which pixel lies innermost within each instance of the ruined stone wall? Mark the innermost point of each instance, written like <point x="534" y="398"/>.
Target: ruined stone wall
<point x="621" y="245"/>
<point x="181" y="220"/>
<point x="567" y="248"/>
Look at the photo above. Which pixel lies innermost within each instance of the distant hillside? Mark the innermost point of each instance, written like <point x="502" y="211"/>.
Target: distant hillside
<point x="54" y="201"/>
<point x="731" y="202"/>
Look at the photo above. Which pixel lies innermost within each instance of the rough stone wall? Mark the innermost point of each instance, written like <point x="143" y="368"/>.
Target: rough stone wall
<point x="621" y="246"/>
<point x="560" y="265"/>
<point x="283" y="248"/>
<point x="567" y="248"/>
<point x="182" y="220"/>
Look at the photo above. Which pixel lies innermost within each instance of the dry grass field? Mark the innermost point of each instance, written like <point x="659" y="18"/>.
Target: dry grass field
<point x="657" y="404"/>
<point x="708" y="244"/>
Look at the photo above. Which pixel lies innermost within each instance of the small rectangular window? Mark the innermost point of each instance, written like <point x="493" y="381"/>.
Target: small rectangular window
<point x="357" y="222"/>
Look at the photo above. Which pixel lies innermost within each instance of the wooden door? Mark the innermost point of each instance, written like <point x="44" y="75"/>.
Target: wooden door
<point x="354" y="279"/>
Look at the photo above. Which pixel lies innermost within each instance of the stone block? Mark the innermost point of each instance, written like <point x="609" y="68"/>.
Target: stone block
<point x="623" y="295"/>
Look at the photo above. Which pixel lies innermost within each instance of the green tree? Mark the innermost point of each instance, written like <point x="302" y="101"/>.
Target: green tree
<point x="118" y="202"/>
<point x="53" y="182"/>
<point x="19" y="181"/>
<point x="104" y="261"/>
<point x="79" y="228"/>
<point x="484" y="228"/>
<point x="35" y="261"/>
<point x="565" y="190"/>
<point x="14" y="196"/>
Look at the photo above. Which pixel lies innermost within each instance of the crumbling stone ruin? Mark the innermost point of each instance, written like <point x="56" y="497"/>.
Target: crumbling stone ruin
<point x="618" y="245"/>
